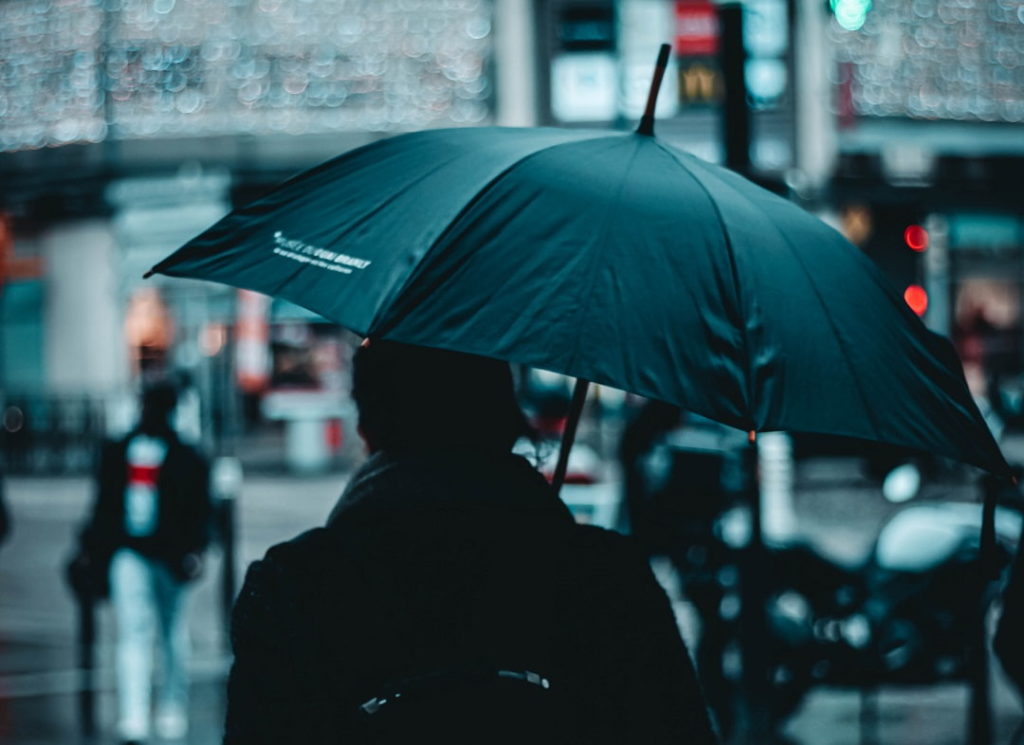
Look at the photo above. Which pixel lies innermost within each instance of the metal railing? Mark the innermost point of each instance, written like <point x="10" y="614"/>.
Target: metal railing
<point x="47" y="434"/>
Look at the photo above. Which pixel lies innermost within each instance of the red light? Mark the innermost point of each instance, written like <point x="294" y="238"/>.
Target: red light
<point x="916" y="238"/>
<point x="916" y="298"/>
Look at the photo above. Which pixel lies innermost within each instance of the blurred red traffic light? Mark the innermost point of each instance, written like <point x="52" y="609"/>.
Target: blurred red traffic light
<point x="916" y="238"/>
<point x="916" y="298"/>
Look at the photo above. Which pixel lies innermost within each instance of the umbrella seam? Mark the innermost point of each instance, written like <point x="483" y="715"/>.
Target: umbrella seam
<point x="840" y="341"/>
<point x="749" y="392"/>
<point x="592" y="269"/>
<point x="821" y="302"/>
<point x="417" y="272"/>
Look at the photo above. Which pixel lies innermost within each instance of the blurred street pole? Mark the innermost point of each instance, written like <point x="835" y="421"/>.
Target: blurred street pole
<point x="735" y="113"/>
<point x="87" y="663"/>
<point x="516" y="72"/>
<point x="979" y="727"/>
<point x="937" y="281"/>
<point x="226" y="482"/>
<point x="754" y="716"/>
<point x="816" y="140"/>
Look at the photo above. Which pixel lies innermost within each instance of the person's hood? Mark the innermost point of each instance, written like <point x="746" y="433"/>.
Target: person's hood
<point x="489" y="482"/>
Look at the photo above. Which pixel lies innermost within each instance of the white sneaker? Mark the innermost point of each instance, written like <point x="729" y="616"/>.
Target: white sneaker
<point x="171" y="724"/>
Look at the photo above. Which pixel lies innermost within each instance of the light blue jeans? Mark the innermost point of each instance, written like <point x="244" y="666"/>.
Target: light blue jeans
<point x="148" y="601"/>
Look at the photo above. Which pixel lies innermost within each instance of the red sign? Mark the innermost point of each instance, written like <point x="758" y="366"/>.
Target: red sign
<point x="696" y="29"/>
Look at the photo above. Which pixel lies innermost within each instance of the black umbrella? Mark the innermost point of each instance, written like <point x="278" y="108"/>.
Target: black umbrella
<point x="612" y="257"/>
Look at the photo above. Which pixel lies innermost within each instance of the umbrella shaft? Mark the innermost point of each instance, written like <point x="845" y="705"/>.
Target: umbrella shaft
<point x="579" y="395"/>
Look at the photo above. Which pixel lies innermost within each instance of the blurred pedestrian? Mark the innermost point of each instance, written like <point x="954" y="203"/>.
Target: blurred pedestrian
<point x="147" y="530"/>
<point x="5" y="519"/>
<point x="1009" y="638"/>
<point x="650" y="421"/>
<point x="451" y="597"/>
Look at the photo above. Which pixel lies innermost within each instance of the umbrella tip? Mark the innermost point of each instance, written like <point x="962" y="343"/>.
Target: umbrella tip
<point x="149" y="274"/>
<point x="647" y="122"/>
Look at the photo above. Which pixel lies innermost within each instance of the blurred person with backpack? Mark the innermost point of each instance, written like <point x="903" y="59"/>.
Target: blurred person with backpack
<point x="142" y="544"/>
<point x="450" y="595"/>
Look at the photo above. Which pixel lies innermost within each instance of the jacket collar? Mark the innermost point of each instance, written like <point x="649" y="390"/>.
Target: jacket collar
<point x="463" y="481"/>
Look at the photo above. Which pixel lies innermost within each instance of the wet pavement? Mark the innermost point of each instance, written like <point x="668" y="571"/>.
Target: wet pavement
<point x="837" y="508"/>
<point x="39" y="682"/>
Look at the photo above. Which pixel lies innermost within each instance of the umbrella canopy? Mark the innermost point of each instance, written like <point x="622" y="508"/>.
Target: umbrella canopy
<point x="613" y="257"/>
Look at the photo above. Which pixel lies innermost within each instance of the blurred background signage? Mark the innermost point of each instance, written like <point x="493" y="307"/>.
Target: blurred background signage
<point x="584" y="87"/>
<point x="643" y="25"/>
<point x="601" y="56"/>
<point x="696" y="29"/>
<point x="985" y="231"/>
<point x="766" y="38"/>
<point x="696" y="44"/>
<point x="584" y="72"/>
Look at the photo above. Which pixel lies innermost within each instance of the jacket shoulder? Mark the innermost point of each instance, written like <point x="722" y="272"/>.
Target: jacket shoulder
<point x="275" y="584"/>
<point x="188" y="452"/>
<point x="310" y="546"/>
<point x="608" y="543"/>
<point x="287" y="564"/>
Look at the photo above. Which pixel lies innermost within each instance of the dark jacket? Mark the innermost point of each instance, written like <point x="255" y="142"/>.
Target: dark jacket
<point x="183" y="514"/>
<point x="428" y="564"/>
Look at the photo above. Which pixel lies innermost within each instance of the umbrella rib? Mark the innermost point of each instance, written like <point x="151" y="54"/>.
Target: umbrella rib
<point x="413" y="276"/>
<point x="588" y="287"/>
<point x="749" y="392"/>
<point x="814" y="288"/>
<point x="836" y="333"/>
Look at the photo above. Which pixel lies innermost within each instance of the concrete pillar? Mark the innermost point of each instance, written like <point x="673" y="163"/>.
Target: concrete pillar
<point x="515" y="63"/>
<point x="84" y="346"/>
<point x="816" y="137"/>
<point x="937" y="281"/>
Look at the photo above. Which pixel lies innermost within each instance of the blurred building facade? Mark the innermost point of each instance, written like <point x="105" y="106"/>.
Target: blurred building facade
<point x="127" y="126"/>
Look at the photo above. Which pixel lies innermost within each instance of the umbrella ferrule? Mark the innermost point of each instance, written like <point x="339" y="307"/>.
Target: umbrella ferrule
<point x="647" y="121"/>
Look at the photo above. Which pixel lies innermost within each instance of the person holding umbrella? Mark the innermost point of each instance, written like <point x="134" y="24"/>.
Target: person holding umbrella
<point x="616" y="258"/>
<point x="451" y="594"/>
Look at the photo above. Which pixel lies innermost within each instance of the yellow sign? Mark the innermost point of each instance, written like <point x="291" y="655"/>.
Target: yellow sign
<point x="698" y="83"/>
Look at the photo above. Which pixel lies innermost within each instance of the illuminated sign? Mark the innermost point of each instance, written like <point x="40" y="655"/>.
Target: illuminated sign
<point x="584" y="87"/>
<point x="696" y="29"/>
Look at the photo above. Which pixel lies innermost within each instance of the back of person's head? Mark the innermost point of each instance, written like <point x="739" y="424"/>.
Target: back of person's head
<point x="415" y="398"/>
<point x="158" y="402"/>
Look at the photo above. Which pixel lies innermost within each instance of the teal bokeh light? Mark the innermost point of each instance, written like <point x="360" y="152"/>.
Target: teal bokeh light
<point x="850" y="14"/>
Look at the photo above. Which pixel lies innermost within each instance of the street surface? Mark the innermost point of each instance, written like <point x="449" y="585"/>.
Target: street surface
<point x="39" y="681"/>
